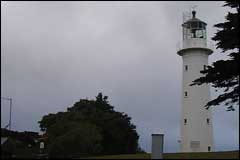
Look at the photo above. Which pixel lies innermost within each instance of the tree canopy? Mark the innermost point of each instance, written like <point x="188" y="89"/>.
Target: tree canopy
<point x="82" y="140"/>
<point x="90" y="127"/>
<point x="225" y="73"/>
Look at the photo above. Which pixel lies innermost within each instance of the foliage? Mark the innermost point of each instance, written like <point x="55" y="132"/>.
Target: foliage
<point x="225" y="73"/>
<point x="118" y="134"/>
<point x="140" y="150"/>
<point x="9" y="147"/>
<point x="81" y="141"/>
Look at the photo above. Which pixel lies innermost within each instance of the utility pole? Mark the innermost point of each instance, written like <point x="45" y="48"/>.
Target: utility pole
<point x="10" y="114"/>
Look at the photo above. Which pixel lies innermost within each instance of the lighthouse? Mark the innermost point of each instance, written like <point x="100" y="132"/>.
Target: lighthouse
<point x="196" y="120"/>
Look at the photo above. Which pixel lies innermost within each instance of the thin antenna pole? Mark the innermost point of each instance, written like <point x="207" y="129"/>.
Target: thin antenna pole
<point x="183" y="17"/>
<point x="10" y="120"/>
<point x="10" y="114"/>
<point x="186" y="16"/>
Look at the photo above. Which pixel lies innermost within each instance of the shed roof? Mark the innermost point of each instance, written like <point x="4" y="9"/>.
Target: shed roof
<point x="3" y="140"/>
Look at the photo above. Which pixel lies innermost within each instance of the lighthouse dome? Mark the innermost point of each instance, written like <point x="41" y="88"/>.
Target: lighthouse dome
<point x="194" y="19"/>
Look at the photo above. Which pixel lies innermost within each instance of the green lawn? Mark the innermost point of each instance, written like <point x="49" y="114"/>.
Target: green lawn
<point x="31" y="153"/>
<point x="208" y="155"/>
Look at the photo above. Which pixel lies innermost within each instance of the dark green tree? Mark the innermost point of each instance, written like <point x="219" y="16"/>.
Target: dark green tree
<point x="82" y="140"/>
<point x="8" y="148"/>
<point x="225" y="73"/>
<point x="118" y="134"/>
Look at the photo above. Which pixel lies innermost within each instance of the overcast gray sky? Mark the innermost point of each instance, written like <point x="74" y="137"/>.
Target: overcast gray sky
<point x="54" y="53"/>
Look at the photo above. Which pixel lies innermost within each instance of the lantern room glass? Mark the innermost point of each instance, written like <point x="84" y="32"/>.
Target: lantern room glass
<point x="194" y="29"/>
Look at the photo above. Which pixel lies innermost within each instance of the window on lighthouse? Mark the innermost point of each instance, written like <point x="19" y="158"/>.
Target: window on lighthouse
<point x="209" y="148"/>
<point x="208" y="120"/>
<point x="186" y="67"/>
<point x="185" y="94"/>
<point x="204" y="67"/>
<point x="185" y="121"/>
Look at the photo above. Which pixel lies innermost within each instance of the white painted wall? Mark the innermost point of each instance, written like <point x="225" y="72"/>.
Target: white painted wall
<point x="196" y="128"/>
<point x="194" y="42"/>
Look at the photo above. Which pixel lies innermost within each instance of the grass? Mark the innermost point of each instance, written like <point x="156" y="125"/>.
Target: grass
<point x="199" y="155"/>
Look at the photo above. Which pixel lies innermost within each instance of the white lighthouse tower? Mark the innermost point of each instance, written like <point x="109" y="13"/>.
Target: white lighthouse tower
<point x="196" y="121"/>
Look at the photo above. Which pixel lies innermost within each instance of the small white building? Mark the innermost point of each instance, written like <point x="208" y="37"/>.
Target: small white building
<point x="196" y="121"/>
